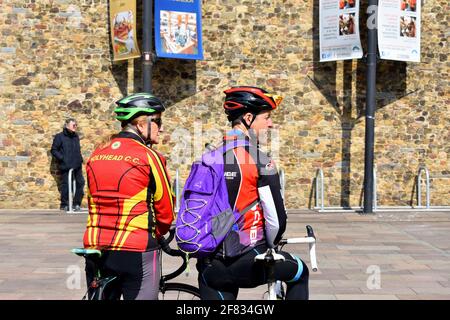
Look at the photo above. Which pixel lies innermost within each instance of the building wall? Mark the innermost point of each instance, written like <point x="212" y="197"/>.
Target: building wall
<point x="55" y="62"/>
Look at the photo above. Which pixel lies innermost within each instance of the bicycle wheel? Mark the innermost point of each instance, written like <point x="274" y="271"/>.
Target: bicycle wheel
<point x="179" y="291"/>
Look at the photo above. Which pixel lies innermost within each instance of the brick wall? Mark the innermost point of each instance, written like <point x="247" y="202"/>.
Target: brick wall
<point x="55" y="63"/>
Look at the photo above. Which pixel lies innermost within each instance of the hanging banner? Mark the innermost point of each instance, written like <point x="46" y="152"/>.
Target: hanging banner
<point x="178" y="29"/>
<point x="122" y="17"/>
<point x="339" y="30"/>
<point x="399" y="30"/>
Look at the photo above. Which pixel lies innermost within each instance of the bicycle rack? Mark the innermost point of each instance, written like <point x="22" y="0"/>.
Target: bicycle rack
<point x="319" y="173"/>
<point x="320" y="192"/>
<point x="375" y="205"/>
<point x="72" y="190"/>
<point x="427" y="186"/>
<point x="282" y="182"/>
<point x="177" y="191"/>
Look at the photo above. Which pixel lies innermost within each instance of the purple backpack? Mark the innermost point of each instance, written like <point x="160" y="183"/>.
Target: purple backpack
<point x="205" y="216"/>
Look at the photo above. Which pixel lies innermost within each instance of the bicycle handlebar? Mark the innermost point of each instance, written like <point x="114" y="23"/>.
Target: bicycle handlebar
<point x="310" y="239"/>
<point x="310" y="231"/>
<point x="297" y="240"/>
<point x="164" y="243"/>
<point x="174" y="253"/>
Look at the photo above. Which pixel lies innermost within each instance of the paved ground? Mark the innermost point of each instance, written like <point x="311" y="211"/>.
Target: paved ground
<point x="410" y="249"/>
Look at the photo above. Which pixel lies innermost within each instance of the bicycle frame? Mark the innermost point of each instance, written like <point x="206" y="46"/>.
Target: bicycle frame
<point x="98" y="284"/>
<point x="270" y="258"/>
<point x="164" y="285"/>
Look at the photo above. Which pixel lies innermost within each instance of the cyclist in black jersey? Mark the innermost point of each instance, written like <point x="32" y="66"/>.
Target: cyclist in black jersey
<point x="254" y="190"/>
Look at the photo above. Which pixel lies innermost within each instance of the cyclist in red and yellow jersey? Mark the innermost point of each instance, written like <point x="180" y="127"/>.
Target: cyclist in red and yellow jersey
<point x="130" y="200"/>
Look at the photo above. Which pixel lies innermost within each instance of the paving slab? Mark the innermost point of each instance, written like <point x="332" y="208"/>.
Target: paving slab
<point x="411" y="251"/>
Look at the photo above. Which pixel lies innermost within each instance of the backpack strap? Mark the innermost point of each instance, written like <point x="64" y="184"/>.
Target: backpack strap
<point x="251" y="205"/>
<point x="216" y="156"/>
<point x="234" y="144"/>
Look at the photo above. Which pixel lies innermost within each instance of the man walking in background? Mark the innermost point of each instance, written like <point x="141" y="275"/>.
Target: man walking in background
<point x="66" y="149"/>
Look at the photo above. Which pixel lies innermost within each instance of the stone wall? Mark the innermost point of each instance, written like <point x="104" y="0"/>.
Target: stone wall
<point x="55" y="63"/>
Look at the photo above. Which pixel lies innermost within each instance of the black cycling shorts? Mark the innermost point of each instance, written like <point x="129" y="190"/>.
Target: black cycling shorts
<point x="220" y="279"/>
<point x="138" y="274"/>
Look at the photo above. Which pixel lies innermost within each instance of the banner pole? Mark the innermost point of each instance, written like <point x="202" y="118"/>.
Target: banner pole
<point x="147" y="45"/>
<point x="370" y="106"/>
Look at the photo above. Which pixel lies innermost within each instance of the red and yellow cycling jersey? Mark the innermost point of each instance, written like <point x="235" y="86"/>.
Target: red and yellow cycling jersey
<point x="130" y="197"/>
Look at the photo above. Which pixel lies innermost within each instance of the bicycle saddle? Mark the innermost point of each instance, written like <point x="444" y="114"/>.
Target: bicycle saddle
<point x="82" y="252"/>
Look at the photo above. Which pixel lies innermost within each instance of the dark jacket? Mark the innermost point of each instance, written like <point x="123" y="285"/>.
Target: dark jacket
<point x="66" y="149"/>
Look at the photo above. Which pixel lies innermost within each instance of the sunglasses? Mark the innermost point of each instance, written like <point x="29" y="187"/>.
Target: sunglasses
<point x="158" y="121"/>
<point x="275" y="98"/>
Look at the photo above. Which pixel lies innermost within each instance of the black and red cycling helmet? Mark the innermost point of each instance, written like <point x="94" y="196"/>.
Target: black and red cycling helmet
<point x="240" y="100"/>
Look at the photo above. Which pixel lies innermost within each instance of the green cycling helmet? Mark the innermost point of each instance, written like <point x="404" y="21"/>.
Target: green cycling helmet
<point x="136" y="105"/>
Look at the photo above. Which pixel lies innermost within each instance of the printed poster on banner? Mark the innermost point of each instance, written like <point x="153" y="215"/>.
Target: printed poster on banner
<point x="399" y="30"/>
<point x="339" y="30"/>
<point x="178" y="29"/>
<point x="122" y="15"/>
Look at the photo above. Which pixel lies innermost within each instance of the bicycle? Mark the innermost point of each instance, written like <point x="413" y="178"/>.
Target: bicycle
<point x="167" y="290"/>
<point x="275" y="288"/>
